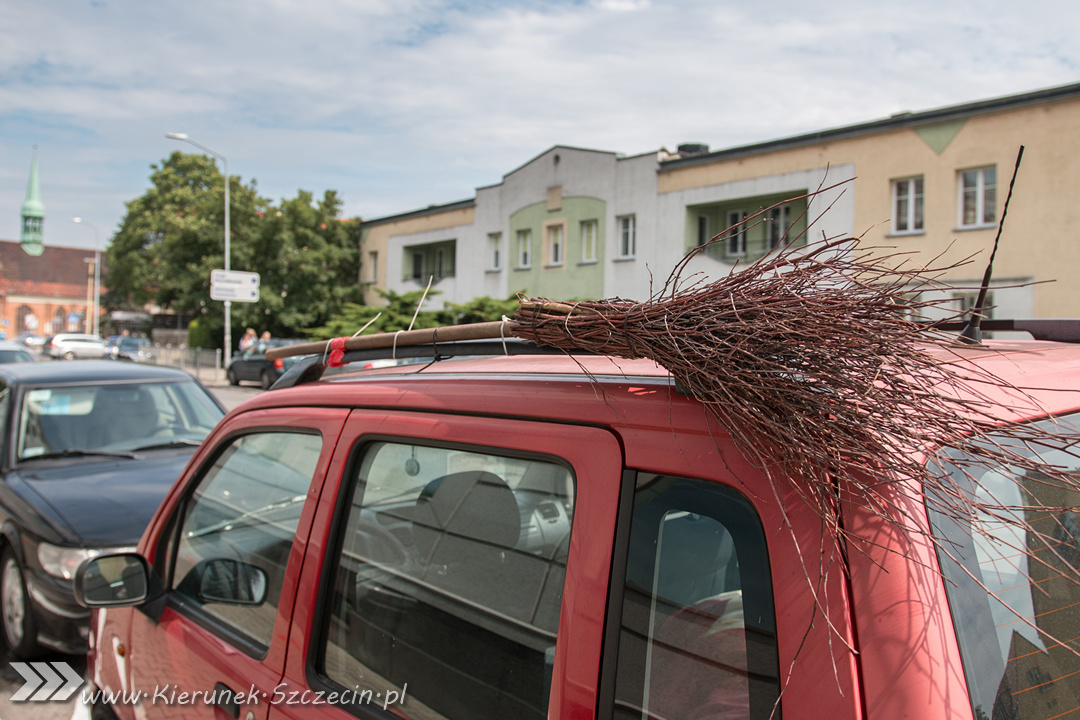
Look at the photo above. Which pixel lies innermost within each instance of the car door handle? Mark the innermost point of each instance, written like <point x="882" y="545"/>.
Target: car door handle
<point x="225" y="699"/>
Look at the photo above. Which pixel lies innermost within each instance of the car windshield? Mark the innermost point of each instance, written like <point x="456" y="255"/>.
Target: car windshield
<point x="113" y="418"/>
<point x="9" y="356"/>
<point x="1015" y="593"/>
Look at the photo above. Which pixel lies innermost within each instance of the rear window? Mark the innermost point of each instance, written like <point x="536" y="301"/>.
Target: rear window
<point x="1015" y="594"/>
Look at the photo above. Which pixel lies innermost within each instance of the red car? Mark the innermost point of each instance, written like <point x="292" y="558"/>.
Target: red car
<point x="541" y="536"/>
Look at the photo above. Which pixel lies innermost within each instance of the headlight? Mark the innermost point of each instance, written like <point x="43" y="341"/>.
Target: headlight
<point x="62" y="562"/>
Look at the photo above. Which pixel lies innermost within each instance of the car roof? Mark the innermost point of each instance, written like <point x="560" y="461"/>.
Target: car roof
<point x="87" y="371"/>
<point x="9" y="345"/>
<point x="512" y="385"/>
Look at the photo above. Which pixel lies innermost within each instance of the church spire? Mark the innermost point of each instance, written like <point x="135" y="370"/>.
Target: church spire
<point x="33" y="213"/>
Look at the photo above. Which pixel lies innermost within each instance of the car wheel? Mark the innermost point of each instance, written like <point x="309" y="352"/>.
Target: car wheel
<point x="69" y="355"/>
<point x="232" y="377"/>
<point x="266" y="379"/>
<point x="20" y="633"/>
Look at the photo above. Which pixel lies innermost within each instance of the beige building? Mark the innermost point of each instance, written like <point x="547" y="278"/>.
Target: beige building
<point x="932" y="183"/>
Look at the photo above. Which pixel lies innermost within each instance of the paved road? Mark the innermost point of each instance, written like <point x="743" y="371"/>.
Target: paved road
<point x="11" y="681"/>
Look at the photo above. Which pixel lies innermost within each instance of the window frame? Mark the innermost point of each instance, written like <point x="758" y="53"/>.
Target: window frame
<point x="627" y="236"/>
<point x="983" y="192"/>
<point x="913" y="217"/>
<point x="590" y="232"/>
<point x="555" y="240"/>
<point x="524" y="241"/>
<point x="494" y="248"/>
<point x="736" y="233"/>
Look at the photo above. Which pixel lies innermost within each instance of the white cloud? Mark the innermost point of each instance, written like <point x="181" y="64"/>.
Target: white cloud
<point x="401" y="103"/>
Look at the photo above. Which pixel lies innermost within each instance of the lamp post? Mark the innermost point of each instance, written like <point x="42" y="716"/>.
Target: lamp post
<point x="225" y="168"/>
<point x="97" y="271"/>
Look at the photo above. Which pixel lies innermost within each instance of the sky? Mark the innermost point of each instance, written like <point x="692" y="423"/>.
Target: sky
<point x="401" y="104"/>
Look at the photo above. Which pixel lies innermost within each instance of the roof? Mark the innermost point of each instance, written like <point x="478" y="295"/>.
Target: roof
<point x="87" y="371"/>
<point x="899" y="120"/>
<point x="591" y="388"/>
<point x="57" y="272"/>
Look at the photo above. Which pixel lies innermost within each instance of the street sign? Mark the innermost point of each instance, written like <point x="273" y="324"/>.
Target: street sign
<point x="234" y="285"/>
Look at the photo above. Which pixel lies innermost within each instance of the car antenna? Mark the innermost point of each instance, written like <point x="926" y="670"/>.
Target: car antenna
<point x="972" y="334"/>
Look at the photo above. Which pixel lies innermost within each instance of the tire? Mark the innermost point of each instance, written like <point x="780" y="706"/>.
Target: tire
<point x="232" y="377"/>
<point x="17" y="622"/>
<point x="266" y="380"/>
<point x="68" y="355"/>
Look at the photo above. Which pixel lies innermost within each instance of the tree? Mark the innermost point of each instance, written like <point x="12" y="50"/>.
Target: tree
<point x="396" y="315"/>
<point x="171" y="238"/>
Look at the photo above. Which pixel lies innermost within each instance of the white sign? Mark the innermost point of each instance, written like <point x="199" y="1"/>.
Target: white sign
<point x="233" y="285"/>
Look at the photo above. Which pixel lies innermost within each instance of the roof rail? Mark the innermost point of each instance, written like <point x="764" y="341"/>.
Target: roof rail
<point x="311" y="368"/>
<point x="1053" y="329"/>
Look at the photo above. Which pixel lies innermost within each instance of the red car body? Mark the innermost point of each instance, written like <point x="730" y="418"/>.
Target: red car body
<point x="876" y="642"/>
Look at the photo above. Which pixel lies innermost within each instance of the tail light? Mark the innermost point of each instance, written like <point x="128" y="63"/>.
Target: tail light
<point x="279" y="364"/>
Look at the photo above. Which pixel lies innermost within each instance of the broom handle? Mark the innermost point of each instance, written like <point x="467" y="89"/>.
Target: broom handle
<point x="450" y="333"/>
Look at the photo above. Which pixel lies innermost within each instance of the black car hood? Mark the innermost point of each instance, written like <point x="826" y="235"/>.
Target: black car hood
<point x="106" y="502"/>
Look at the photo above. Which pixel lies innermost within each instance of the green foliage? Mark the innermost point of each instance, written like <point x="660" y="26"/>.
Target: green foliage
<point x="199" y="335"/>
<point x="172" y="237"/>
<point x="396" y="315"/>
<point x="481" y="309"/>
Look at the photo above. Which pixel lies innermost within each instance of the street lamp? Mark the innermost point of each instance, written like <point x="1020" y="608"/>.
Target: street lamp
<point x="225" y="167"/>
<point x="97" y="271"/>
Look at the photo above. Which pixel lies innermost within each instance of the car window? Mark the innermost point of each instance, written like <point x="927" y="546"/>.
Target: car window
<point x="8" y="356"/>
<point x="448" y="577"/>
<point x="1015" y="598"/>
<point x="697" y="633"/>
<point x="120" y="417"/>
<point x="238" y="527"/>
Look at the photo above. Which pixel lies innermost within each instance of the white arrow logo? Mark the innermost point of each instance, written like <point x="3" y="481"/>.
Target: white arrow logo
<point x="40" y="677"/>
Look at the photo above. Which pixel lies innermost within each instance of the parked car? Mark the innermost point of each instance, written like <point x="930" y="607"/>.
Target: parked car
<point x="557" y="537"/>
<point x="30" y="340"/>
<point x="88" y="452"/>
<point x="252" y="365"/>
<point x="135" y="349"/>
<point x="72" y="346"/>
<point x="14" y="352"/>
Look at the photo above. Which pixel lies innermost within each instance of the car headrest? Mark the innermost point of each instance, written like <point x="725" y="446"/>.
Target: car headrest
<point x="475" y="507"/>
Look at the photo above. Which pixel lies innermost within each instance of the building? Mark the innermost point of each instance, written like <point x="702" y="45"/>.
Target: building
<point x="575" y="223"/>
<point x="46" y="293"/>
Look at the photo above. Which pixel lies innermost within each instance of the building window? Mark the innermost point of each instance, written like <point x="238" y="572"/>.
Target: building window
<point x="777" y="226"/>
<point x="908" y="205"/>
<point x="494" y="245"/>
<point x="440" y="263"/>
<point x="418" y="266"/>
<point x="978" y="196"/>
<point x="524" y="241"/>
<point x="373" y="264"/>
<point x="702" y="230"/>
<point x="588" y="241"/>
<point x="627" y="236"/>
<point x="736" y="234"/>
<point x="555" y="244"/>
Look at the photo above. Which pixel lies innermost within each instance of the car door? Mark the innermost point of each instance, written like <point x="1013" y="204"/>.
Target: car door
<point x="450" y="558"/>
<point x="240" y="519"/>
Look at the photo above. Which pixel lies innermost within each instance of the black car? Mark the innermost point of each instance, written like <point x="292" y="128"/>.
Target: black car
<point x="89" y="451"/>
<point x="252" y="365"/>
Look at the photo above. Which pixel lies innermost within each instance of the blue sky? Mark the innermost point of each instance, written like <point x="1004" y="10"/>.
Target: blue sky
<point x="399" y="104"/>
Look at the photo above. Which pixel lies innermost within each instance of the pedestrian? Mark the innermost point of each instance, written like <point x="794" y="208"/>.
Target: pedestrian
<point x="248" y="340"/>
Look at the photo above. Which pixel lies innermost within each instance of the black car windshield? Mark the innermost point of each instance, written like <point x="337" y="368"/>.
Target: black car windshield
<point x="1015" y="593"/>
<point x="112" y="418"/>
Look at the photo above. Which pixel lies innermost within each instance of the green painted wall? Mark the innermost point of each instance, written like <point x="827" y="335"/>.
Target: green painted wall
<point x="574" y="279"/>
<point x="757" y="243"/>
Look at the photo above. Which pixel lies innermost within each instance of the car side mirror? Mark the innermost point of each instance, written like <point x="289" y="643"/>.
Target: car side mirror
<point x="223" y="580"/>
<point x="112" y="581"/>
